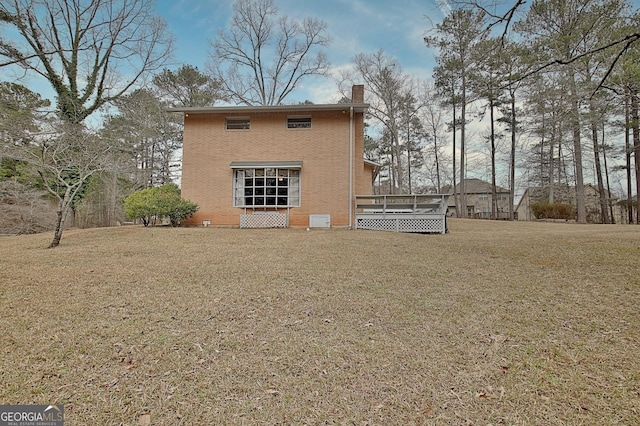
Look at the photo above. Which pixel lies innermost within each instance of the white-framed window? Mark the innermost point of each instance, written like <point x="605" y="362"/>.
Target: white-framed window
<point x="483" y="197"/>
<point x="299" y="122"/>
<point x="266" y="187"/>
<point x="238" y="123"/>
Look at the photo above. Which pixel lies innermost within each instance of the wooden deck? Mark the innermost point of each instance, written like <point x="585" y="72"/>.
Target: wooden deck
<point x="402" y="213"/>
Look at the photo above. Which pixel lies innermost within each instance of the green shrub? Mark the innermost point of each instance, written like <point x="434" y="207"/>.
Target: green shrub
<point x="158" y="203"/>
<point x="546" y="210"/>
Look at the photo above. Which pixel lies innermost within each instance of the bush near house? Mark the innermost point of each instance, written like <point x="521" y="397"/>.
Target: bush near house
<point x="157" y="203"/>
<point x="546" y="210"/>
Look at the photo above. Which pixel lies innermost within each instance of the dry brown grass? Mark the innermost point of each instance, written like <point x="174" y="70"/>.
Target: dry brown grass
<point x="493" y="323"/>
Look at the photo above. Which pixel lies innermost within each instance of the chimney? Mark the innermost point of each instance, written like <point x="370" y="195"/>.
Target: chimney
<point x="357" y="94"/>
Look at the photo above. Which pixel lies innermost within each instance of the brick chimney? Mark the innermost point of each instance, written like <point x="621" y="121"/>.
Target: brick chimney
<point x="357" y="94"/>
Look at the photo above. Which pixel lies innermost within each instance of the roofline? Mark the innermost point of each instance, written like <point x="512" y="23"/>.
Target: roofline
<point x="372" y="163"/>
<point x="271" y="108"/>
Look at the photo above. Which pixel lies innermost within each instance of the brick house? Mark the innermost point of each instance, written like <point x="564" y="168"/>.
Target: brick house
<point x="276" y="166"/>
<point x="479" y="195"/>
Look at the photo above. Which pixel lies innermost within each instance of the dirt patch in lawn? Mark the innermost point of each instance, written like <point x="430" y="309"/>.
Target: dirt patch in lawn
<point x="494" y="323"/>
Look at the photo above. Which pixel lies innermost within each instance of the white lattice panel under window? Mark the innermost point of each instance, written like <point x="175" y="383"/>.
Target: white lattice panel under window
<point x="402" y="225"/>
<point x="264" y="220"/>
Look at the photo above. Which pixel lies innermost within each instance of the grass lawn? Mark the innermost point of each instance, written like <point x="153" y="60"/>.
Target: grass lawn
<point x="501" y="323"/>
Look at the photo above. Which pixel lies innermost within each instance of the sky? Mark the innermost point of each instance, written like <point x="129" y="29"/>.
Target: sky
<point x="355" y="26"/>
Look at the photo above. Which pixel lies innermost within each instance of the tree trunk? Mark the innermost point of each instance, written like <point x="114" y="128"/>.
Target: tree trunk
<point x="602" y="194"/>
<point x="551" y="170"/>
<point x="512" y="159"/>
<point x="393" y="182"/>
<point x="606" y="175"/>
<point x="61" y="213"/>
<point x="636" y="149"/>
<point x="435" y="149"/>
<point x="627" y="145"/>
<point x="577" y="147"/>
<point x="399" y="169"/>
<point x="409" y="152"/>
<point x="494" y="195"/>
<point x="57" y="232"/>
<point x="114" y="199"/>
<point x="455" y="192"/>
<point x="463" y="192"/>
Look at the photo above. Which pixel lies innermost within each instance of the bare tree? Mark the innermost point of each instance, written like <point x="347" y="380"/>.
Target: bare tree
<point x="387" y="92"/>
<point x="85" y="48"/>
<point x="434" y="119"/>
<point x="262" y="58"/>
<point x="65" y="158"/>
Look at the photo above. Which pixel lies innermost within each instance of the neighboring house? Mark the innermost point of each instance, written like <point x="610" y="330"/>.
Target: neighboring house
<point x="566" y="195"/>
<point x="479" y="196"/>
<point x="276" y="166"/>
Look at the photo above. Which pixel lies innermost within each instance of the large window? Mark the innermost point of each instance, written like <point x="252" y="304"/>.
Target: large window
<point x="267" y="187"/>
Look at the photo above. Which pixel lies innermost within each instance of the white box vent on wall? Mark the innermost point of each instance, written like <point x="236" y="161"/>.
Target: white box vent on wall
<point x="319" y="221"/>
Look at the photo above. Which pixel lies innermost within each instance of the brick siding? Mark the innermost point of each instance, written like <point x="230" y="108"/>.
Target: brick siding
<point x="209" y="149"/>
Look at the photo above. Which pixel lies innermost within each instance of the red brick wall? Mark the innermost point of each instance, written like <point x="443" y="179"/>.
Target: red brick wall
<point x="209" y="149"/>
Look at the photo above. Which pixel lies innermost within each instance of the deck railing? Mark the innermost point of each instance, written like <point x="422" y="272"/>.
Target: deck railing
<point x="402" y="213"/>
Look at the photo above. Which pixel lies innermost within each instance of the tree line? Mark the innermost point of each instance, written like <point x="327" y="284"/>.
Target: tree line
<point x="544" y="97"/>
<point x="559" y="81"/>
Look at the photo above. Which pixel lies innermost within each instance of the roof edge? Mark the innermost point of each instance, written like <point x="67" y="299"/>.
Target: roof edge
<point x="270" y="108"/>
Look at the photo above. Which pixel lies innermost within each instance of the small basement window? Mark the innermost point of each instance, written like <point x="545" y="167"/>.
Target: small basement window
<point x="298" y="122"/>
<point x="238" y="123"/>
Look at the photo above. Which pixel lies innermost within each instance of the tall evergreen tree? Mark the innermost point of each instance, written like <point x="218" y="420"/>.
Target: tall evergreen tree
<point x="456" y="38"/>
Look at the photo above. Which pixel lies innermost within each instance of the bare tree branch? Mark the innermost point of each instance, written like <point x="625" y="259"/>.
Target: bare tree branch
<point x="85" y="48"/>
<point x="627" y="40"/>
<point x="261" y="62"/>
<point x="506" y="18"/>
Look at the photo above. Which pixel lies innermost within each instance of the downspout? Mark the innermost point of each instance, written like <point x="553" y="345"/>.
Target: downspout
<point x="351" y="148"/>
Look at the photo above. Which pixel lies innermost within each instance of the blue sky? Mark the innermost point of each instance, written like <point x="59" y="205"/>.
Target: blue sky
<point x="355" y="26"/>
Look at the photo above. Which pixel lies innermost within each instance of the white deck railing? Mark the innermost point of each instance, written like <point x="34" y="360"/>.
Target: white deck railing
<point x="402" y="213"/>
